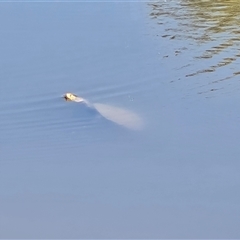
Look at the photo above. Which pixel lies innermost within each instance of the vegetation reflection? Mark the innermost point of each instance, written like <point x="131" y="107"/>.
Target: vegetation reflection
<point x="213" y="25"/>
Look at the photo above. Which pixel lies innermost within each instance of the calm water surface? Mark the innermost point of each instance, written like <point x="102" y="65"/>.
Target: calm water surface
<point x="65" y="173"/>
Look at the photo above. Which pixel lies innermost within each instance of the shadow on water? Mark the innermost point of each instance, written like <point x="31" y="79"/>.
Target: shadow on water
<point x="210" y="30"/>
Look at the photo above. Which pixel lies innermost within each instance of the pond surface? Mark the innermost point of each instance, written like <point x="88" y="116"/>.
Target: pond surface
<point x="65" y="172"/>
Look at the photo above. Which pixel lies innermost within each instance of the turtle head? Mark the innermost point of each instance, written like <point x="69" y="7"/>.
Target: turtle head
<point x="70" y="97"/>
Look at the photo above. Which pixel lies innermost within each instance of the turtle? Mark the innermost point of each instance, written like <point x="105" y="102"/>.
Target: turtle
<point x="117" y="115"/>
<point x="73" y="97"/>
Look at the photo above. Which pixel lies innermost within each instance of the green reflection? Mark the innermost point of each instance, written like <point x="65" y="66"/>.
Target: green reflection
<point x="211" y="16"/>
<point x="212" y="24"/>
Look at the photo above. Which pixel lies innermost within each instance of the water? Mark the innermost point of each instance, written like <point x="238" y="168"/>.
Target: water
<point x="205" y="35"/>
<point x="67" y="173"/>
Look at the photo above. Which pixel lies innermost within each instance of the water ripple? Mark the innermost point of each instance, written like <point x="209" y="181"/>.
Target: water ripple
<point x="209" y="29"/>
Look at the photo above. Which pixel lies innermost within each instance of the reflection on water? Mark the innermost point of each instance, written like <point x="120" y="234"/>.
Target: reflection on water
<point x="212" y="27"/>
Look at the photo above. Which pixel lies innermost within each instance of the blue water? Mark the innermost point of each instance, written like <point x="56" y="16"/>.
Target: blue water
<point x="67" y="173"/>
